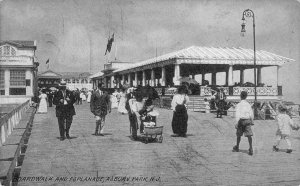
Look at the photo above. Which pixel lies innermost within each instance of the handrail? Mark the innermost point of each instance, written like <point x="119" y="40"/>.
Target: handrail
<point x="8" y="115"/>
<point x="10" y="120"/>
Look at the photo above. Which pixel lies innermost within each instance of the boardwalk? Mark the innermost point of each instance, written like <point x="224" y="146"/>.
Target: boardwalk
<point x="203" y="158"/>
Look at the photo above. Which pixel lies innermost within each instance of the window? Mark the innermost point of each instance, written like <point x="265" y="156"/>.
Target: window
<point x="2" y="83"/>
<point x="17" y="82"/>
<point x="13" y="52"/>
<point x="17" y="78"/>
<point x="7" y="51"/>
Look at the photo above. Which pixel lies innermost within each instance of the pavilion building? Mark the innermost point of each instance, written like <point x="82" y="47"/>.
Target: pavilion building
<point x="166" y="70"/>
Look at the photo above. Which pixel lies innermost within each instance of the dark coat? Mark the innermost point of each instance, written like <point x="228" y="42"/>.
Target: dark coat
<point x="61" y="109"/>
<point x="100" y="104"/>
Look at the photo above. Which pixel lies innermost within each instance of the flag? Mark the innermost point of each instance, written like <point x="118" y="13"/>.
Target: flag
<point x="109" y="43"/>
<point x="47" y="61"/>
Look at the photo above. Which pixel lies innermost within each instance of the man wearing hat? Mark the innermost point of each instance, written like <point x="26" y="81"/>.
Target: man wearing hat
<point x="100" y="105"/>
<point x="64" y="100"/>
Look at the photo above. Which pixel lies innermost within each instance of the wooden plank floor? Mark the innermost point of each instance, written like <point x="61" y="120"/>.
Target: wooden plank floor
<point x="203" y="158"/>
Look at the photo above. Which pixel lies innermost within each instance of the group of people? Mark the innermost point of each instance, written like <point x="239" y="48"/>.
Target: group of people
<point x="138" y="102"/>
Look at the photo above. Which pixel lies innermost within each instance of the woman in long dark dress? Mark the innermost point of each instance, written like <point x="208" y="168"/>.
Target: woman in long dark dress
<point x="180" y="116"/>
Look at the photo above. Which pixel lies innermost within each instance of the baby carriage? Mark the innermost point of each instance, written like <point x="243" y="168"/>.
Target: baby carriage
<point x="149" y="130"/>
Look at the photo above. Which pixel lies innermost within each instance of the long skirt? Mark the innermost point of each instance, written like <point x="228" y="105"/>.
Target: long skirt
<point x="43" y="106"/>
<point x="179" y="121"/>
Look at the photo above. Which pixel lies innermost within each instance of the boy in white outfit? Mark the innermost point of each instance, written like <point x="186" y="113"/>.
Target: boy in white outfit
<point x="284" y="123"/>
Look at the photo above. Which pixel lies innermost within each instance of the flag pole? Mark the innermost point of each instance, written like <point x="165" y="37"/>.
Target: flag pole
<point x="116" y="51"/>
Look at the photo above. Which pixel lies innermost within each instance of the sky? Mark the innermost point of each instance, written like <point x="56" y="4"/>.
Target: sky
<point x="73" y="34"/>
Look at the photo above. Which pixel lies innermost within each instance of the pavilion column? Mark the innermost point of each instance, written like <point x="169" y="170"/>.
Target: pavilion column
<point x="258" y="75"/>
<point x="6" y="81"/>
<point x="123" y="79"/>
<point x="135" y="79"/>
<point x="230" y="75"/>
<point x="129" y="79"/>
<point x="193" y="76"/>
<point x="226" y="78"/>
<point x="112" y="84"/>
<point x="118" y="81"/>
<point x="176" y="74"/>
<point x="202" y="76"/>
<point x="242" y="76"/>
<point x="163" y="76"/>
<point x="144" y="78"/>
<point x="278" y="76"/>
<point x="152" y="77"/>
<point x="214" y="78"/>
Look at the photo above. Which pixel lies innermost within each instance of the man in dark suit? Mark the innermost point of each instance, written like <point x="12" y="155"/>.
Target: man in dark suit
<point x="50" y="98"/>
<point x="220" y="101"/>
<point x="64" y="100"/>
<point x="100" y="105"/>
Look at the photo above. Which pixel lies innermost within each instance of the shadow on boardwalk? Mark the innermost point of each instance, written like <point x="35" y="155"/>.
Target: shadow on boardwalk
<point x="203" y="158"/>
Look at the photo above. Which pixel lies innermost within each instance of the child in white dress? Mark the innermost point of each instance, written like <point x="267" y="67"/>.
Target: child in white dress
<point x="284" y="123"/>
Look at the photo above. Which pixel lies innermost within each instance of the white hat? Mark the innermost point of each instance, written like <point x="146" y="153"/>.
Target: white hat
<point x="62" y="83"/>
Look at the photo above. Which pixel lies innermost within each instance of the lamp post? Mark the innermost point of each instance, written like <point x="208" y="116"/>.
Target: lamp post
<point x="250" y="13"/>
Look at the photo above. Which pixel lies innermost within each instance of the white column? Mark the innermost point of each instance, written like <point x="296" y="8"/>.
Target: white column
<point x="129" y="79"/>
<point x="278" y="76"/>
<point x="163" y="76"/>
<point x="176" y="74"/>
<point x="29" y="75"/>
<point x="6" y="81"/>
<point x="242" y="76"/>
<point x="123" y="79"/>
<point x="152" y="77"/>
<point x="258" y="75"/>
<point x="230" y="75"/>
<point x="144" y="78"/>
<point x="136" y="79"/>
<point x="112" y="84"/>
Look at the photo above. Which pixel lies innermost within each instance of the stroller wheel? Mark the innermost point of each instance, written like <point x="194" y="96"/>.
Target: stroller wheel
<point x="160" y="139"/>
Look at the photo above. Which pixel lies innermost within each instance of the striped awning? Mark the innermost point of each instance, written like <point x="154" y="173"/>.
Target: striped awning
<point x="213" y="55"/>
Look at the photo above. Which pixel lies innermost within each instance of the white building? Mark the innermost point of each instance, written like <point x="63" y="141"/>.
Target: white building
<point x="18" y="69"/>
<point x="74" y="80"/>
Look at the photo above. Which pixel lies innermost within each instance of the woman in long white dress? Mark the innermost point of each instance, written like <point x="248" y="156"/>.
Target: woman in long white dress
<point x="114" y="100"/>
<point x="122" y="103"/>
<point x="43" y="103"/>
<point x="89" y="95"/>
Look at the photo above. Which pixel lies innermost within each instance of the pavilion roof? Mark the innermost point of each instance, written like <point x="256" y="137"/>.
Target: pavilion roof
<point x="216" y="55"/>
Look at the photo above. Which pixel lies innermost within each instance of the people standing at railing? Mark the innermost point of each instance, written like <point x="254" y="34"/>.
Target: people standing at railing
<point x="100" y="106"/>
<point x="64" y="100"/>
<point x="180" y="116"/>
<point x="43" y="102"/>
<point x="244" y="119"/>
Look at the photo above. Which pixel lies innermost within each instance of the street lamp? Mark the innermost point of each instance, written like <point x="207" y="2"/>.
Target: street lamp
<point x="250" y="13"/>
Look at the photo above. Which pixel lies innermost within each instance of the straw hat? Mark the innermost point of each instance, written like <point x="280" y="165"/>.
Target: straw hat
<point x="62" y="83"/>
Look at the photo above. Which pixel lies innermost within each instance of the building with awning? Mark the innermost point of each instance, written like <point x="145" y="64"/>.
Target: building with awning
<point x="166" y="70"/>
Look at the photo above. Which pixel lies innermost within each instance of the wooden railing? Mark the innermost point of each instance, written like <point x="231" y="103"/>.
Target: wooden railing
<point x="236" y="91"/>
<point x="10" y="120"/>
